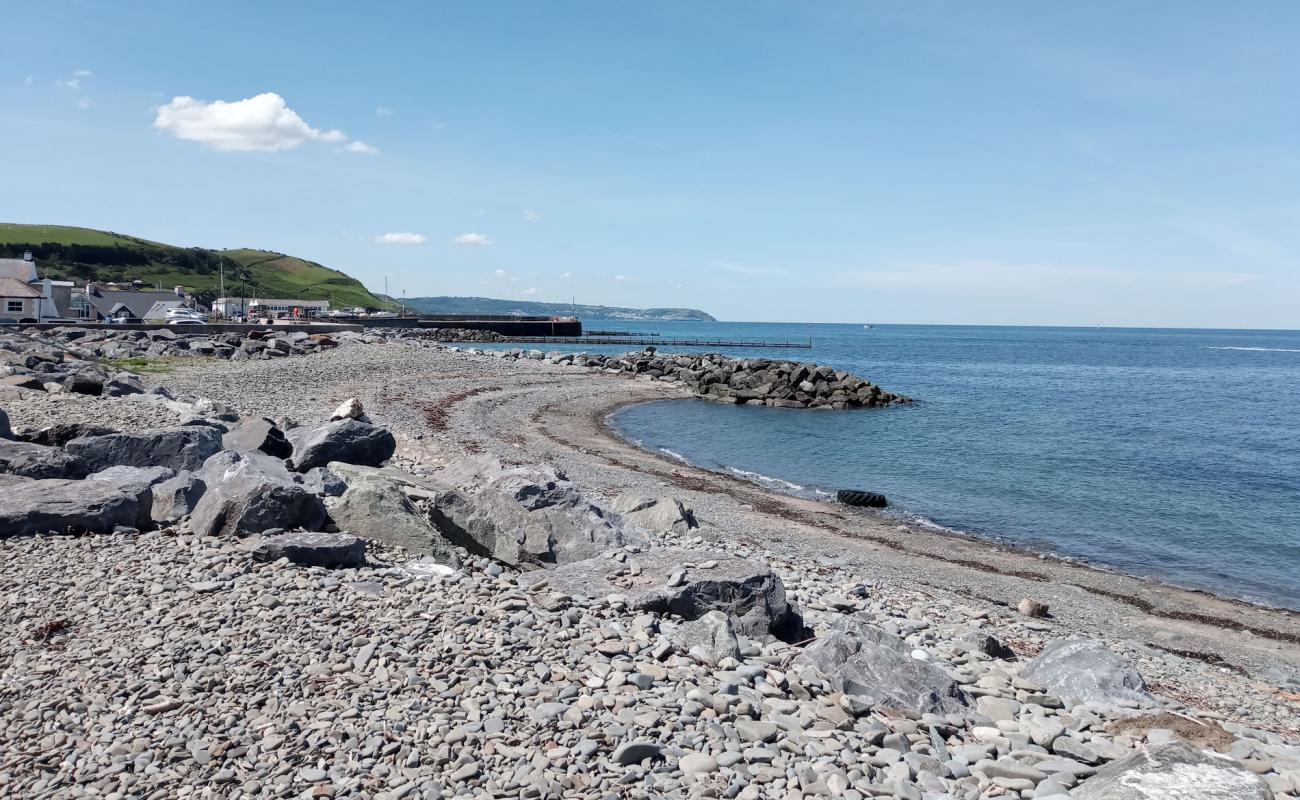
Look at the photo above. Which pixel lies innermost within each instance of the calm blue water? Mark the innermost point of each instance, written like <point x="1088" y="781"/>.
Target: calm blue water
<point x="1169" y="453"/>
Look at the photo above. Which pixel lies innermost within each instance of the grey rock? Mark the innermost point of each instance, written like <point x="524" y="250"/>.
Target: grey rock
<point x="869" y="663"/>
<point x="59" y="434"/>
<point x="183" y="447"/>
<point x="138" y="482"/>
<point x="660" y="515"/>
<point x="257" y="434"/>
<point x="311" y="549"/>
<point x="711" y="637"/>
<point x="176" y="497"/>
<point x="350" y="441"/>
<point x="250" y="492"/>
<point x="746" y="591"/>
<point x="84" y="382"/>
<point x="64" y="506"/>
<point x="636" y="752"/>
<point x="376" y="507"/>
<point x="1174" y="771"/>
<point x="528" y="515"/>
<point x="324" y="481"/>
<point x="39" y="461"/>
<point x="1086" y="671"/>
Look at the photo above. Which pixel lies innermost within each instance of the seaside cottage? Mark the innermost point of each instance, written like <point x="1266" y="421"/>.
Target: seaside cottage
<point x="18" y="300"/>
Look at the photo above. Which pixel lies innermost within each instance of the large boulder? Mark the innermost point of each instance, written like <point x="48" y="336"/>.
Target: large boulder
<point x="183" y="447"/>
<point x="687" y="583"/>
<point x="312" y="549"/>
<point x="350" y="441"/>
<point x="874" y="665"/>
<point x="528" y="515"/>
<point x="39" y="461"/>
<point x="376" y="506"/>
<point x="138" y="482"/>
<point x="59" y="434"/>
<point x="1177" y="771"/>
<point x="176" y="497"/>
<point x="253" y="434"/>
<point x="1086" y="671"/>
<point x="660" y="515"/>
<point x="64" y="506"/>
<point x="249" y="493"/>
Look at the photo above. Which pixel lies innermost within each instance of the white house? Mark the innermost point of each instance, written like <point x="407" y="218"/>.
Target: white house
<point x="18" y="300"/>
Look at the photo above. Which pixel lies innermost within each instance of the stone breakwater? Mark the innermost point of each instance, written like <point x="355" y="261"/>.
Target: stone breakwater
<point x="738" y="381"/>
<point x="754" y="381"/>
<point x="259" y="608"/>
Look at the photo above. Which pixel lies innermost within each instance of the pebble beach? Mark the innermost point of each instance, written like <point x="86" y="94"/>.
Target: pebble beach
<point x="169" y="663"/>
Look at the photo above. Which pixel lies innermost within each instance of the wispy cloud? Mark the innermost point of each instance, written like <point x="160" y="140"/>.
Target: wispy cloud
<point x="529" y="291"/>
<point x="530" y="216"/>
<point x="68" y="83"/>
<point x="402" y="238"/>
<point x="985" y="276"/>
<point x="261" y="123"/>
<point x="383" y="111"/>
<point x="626" y="279"/>
<point x="473" y="240"/>
<point x="83" y="73"/>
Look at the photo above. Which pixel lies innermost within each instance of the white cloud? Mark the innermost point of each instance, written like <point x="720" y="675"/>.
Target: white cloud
<point x="383" y="111"/>
<point x="402" y="238"/>
<point x="84" y="73"/>
<point x="529" y="291"/>
<point x="566" y="275"/>
<point x="474" y="239"/>
<point x="70" y="83"/>
<point x="530" y="215"/>
<point x="750" y="269"/>
<point x="83" y="102"/>
<point x="626" y="279"/>
<point x="261" y="123"/>
<point x="500" y="273"/>
<point x="361" y="147"/>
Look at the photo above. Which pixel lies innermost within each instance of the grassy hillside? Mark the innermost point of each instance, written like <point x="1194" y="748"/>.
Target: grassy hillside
<point x="82" y="254"/>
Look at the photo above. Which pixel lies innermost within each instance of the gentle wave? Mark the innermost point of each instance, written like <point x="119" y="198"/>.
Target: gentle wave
<point x="673" y="455"/>
<point x="759" y="477"/>
<point x="1257" y="349"/>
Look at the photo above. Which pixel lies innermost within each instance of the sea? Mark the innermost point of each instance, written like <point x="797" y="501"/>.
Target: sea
<point x="1170" y="454"/>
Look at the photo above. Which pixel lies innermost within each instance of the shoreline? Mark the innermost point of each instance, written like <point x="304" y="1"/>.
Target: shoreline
<point x="929" y="526"/>
<point x="443" y="404"/>
<point x="995" y="547"/>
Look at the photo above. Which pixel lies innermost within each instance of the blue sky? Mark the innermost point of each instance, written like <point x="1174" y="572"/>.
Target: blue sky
<point x="1018" y="163"/>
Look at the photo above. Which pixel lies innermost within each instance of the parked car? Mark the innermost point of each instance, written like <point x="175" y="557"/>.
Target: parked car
<point x="185" y="321"/>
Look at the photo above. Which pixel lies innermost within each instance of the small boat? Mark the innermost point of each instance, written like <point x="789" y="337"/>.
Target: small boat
<point x="868" y="326"/>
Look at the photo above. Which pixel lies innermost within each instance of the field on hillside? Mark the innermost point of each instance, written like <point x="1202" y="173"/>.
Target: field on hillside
<point x="84" y="254"/>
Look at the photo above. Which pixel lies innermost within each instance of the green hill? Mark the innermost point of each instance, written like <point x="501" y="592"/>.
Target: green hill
<point x="82" y="254"/>
<point x="486" y="305"/>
